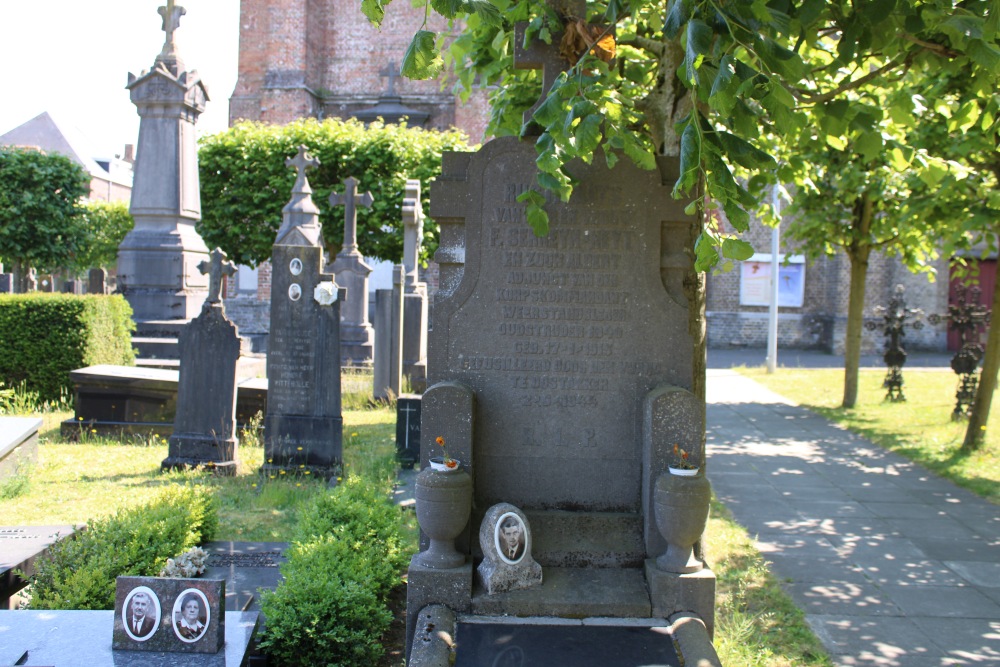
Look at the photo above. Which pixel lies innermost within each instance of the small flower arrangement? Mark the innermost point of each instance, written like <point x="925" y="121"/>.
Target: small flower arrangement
<point x="445" y="461"/>
<point x="682" y="459"/>
<point x="189" y="564"/>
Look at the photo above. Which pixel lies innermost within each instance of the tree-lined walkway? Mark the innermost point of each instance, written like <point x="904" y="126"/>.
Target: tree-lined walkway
<point x="892" y="565"/>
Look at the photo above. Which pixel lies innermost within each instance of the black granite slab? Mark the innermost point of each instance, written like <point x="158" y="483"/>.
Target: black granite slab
<point x="247" y="567"/>
<point x="507" y="645"/>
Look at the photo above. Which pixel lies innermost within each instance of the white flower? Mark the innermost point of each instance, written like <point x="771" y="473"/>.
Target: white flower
<point x="325" y="293"/>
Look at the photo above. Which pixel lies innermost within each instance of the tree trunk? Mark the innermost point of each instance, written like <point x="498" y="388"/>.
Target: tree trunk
<point x="858" y="252"/>
<point x="980" y="414"/>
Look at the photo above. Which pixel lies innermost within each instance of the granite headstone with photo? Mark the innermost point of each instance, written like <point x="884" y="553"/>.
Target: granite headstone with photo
<point x="165" y="614"/>
<point x="205" y="422"/>
<point x="303" y="427"/>
<point x="561" y="372"/>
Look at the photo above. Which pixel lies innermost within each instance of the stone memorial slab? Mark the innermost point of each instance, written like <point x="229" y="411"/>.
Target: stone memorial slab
<point x="173" y="615"/>
<point x="97" y="281"/>
<point x="20" y="547"/>
<point x="388" y="370"/>
<point x="357" y="334"/>
<point x="74" y="638"/>
<point x="303" y="428"/>
<point x="248" y="568"/>
<point x="415" y="299"/>
<point x="6" y="283"/>
<point x="205" y="422"/>
<point x="74" y="287"/>
<point x="158" y="258"/>
<point x="408" y="429"/>
<point x="505" y="540"/>
<point x="18" y="443"/>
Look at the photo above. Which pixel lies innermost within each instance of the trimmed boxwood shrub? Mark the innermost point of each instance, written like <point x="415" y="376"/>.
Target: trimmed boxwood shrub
<point x="80" y="573"/>
<point x="45" y="336"/>
<point x="331" y="608"/>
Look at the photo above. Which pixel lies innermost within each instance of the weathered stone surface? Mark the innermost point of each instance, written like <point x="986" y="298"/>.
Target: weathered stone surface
<point x="20" y="547"/>
<point x="415" y="300"/>
<point x="433" y="638"/>
<point x="303" y="428"/>
<point x="673" y="593"/>
<point x="97" y="281"/>
<point x="694" y="642"/>
<point x="151" y="615"/>
<point x="18" y="443"/>
<point x="248" y="568"/>
<point x="572" y="593"/>
<point x="351" y="271"/>
<point x="388" y="370"/>
<point x="83" y="638"/>
<point x="505" y="540"/>
<point x="205" y="423"/>
<point x="426" y="586"/>
<point x="560" y="337"/>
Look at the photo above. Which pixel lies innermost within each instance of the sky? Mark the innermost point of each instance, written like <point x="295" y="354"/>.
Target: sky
<point x="72" y="58"/>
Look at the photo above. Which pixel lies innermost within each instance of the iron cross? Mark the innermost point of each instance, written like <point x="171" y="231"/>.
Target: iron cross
<point x="350" y="200"/>
<point x="216" y="268"/>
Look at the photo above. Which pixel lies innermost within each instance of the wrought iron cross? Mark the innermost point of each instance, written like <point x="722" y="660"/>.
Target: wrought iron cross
<point x="965" y="316"/>
<point x="302" y="161"/>
<point x="390" y="71"/>
<point x="216" y="269"/>
<point x="350" y="200"/>
<point x="894" y="319"/>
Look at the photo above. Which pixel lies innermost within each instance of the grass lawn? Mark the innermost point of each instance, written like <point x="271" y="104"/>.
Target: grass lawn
<point x="919" y="428"/>
<point x="756" y="623"/>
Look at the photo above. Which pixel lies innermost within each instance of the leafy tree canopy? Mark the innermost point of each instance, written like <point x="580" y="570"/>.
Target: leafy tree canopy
<point x="709" y="81"/>
<point x="245" y="183"/>
<point x="105" y="225"/>
<point x="39" y="197"/>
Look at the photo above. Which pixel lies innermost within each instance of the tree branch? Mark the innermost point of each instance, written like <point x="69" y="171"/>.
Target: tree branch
<point x="649" y="45"/>
<point x="851" y="85"/>
<point x="932" y="46"/>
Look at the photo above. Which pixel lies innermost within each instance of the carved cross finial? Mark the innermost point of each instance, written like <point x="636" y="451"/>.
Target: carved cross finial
<point x="171" y="15"/>
<point x="302" y="161"/>
<point x="390" y="71"/>
<point x="350" y="200"/>
<point x="216" y="268"/>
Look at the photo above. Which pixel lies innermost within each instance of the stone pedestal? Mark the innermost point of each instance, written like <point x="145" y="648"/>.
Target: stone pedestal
<point x="671" y="593"/>
<point x="426" y="586"/>
<point x="157" y="260"/>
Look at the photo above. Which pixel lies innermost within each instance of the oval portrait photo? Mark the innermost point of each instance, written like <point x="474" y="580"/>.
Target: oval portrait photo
<point x="191" y="615"/>
<point x="141" y="613"/>
<point x="509" y="537"/>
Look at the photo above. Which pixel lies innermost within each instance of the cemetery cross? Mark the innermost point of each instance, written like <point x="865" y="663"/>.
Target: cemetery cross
<point x="171" y="15"/>
<point x="350" y="200"/>
<point x="216" y="268"/>
<point x="965" y="316"/>
<point x="391" y="72"/>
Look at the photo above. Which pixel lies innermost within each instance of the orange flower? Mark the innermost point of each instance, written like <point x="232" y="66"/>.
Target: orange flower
<point x="440" y="441"/>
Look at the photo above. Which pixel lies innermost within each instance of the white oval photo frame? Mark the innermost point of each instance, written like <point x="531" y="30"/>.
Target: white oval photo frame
<point x="498" y="545"/>
<point x="294" y="291"/>
<point x="155" y="608"/>
<point x="295" y="266"/>
<point x="177" y="612"/>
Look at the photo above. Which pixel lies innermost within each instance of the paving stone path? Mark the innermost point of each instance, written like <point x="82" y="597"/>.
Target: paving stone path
<point x="892" y="565"/>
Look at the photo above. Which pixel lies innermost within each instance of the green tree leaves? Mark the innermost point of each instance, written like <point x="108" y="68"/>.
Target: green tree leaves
<point x="422" y="59"/>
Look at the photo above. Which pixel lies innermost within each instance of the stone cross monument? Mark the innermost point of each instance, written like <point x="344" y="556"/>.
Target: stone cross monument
<point x="415" y="291"/>
<point x="205" y="422"/>
<point x="303" y="428"/>
<point x="356" y="332"/>
<point x="158" y="259"/>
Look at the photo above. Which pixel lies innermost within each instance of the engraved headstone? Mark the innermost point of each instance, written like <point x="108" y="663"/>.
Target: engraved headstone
<point x="356" y="333"/>
<point x="158" y="258"/>
<point x="408" y="429"/>
<point x="303" y="427"/>
<point x="97" y="281"/>
<point x="205" y="422"/>
<point x="415" y="298"/>
<point x="20" y="548"/>
<point x="561" y="373"/>
<point x="387" y="371"/>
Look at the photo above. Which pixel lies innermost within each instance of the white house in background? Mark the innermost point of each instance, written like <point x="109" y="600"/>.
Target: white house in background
<point x="110" y="177"/>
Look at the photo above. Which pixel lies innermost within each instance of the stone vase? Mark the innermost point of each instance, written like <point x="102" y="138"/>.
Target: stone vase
<point x="444" y="503"/>
<point x="681" y="508"/>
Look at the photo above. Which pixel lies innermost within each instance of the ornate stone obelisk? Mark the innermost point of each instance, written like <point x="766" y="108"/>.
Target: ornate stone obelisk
<point x="158" y="260"/>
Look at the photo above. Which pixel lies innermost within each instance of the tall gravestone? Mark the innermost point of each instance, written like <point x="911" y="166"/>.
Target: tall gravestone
<point x="562" y="374"/>
<point x="97" y="281"/>
<point x="158" y="259"/>
<point x="303" y="427"/>
<point x="415" y="291"/>
<point x="356" y="333"/>
<point x="205" y="421"/>
<point x="387" y="378"/>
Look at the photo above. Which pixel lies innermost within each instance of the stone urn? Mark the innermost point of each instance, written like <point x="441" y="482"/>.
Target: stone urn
<point x="681" y="509"/>
<point x="444" y="503"/>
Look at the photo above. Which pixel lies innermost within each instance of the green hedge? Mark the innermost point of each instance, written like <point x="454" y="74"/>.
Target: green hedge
<point x="331" y="608"/>
<point x="137" y="541"/>
<point x="45" y="336"/>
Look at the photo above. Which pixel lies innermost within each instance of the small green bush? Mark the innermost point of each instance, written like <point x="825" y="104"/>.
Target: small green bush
<point x="45" y="336"/>
<point x="135" y="541"/>
<point x="331" y="608"/>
